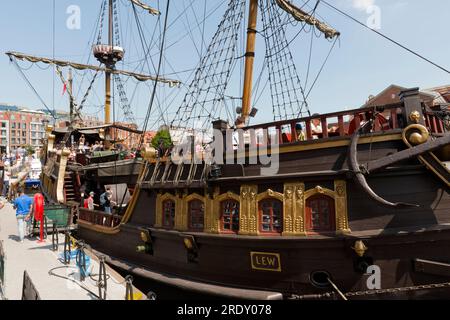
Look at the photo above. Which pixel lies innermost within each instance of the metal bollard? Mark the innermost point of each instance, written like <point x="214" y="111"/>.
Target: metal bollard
<point x="102" y="279"/>
<point x="81" y="260"/>
<point x="67" y="248"/>
<point x="46" y="227"/>
<point x="55" y="238"/>
<point x="129" y="288"/>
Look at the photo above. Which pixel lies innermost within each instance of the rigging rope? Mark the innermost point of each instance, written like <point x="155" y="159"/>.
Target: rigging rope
<point x="31" y="86"/>
<point x="205" y="98"/>
<point x="284" y="80"/>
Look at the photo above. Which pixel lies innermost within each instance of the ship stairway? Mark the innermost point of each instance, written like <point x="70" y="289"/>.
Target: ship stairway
<point x="438" y="167"/>
<point x="69" y="189"/>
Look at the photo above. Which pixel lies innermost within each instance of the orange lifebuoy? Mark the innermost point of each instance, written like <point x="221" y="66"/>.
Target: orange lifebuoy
<point x="38" y="206"/>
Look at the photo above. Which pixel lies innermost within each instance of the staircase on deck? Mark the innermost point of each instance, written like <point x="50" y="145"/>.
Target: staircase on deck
<point x="69" y="187"/>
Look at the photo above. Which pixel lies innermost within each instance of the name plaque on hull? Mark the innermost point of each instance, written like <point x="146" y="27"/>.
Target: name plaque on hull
<point x="266" y="261"/>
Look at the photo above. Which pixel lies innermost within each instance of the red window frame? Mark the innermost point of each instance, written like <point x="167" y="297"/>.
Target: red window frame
<point x="168" y="205"/>
<point x="270" y="221"/>
<point x="196" y="214"/>
<point x="228" y="216"/>
<point x="316" y="209"/>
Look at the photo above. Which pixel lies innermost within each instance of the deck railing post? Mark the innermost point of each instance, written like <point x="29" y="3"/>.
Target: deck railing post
<point x="412" y="102"/>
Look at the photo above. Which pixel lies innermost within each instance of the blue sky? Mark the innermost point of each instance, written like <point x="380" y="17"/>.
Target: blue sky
<point x="362" y="63"/>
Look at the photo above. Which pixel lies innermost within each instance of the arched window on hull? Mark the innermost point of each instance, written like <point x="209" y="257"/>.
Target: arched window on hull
<point x="320" y="214"/>
<point x="168" y="214"/>
<point x="196" y="213"/>
<point x="229" y="216"/>
<point x="271" y="216"/>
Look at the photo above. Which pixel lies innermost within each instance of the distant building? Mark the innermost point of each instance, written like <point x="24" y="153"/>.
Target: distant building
<point x="148" y="137"/>
<point x="20" y="127"/>
<point x="391" y="95"/>
<point x="128" y="139"/>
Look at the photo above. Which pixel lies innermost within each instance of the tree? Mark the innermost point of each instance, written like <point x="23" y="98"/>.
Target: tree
<point x="162" y="139"/>
<point x="29" y="150"/>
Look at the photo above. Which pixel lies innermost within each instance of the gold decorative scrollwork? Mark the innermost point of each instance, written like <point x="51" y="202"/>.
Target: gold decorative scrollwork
<point x="415" y="134"/>
<point x="247" y="213"/>
<point x="293" y="209"/>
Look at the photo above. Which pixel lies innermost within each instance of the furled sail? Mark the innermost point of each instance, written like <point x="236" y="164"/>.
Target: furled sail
<point x="146" y="7"/>
<point x="79" y="66"/>
<point x="303" y="16"/>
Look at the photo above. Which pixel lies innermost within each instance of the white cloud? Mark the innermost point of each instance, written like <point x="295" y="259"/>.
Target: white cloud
<point x="363" y="4"/>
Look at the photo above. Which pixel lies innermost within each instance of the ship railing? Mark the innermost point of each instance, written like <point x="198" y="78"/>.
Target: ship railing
<point x="435" y="124"/>
<point x="99" y="218"/>
<point x="338" y="124"/>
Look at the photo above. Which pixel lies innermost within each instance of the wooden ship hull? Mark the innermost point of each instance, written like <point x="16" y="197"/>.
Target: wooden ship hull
<point x="306" y="257"/>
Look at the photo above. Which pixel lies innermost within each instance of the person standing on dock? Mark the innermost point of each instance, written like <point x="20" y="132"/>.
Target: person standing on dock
<point x="22" y="204"/>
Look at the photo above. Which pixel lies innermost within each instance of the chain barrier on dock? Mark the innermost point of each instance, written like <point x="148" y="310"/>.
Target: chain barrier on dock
<point x="81" y="260"/>
<point x="55" y="238"/>
<point x="67" y="248"/>
<point x="102" y="279"/>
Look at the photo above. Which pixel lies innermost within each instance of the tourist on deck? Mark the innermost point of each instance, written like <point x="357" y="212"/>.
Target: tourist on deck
<point x="106" y="200"/>
<point x="22" y="204"/>
<point x="316" y="127"/>
<point x="81" y="142"/>
<point x="300" y="134"/>
<point x="89" y="202"/>
<point x="94" y="147"/>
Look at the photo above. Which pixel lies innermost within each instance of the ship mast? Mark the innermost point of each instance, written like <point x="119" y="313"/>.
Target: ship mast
<point x="249" y="62"/>
<point x="72" y="103"/>
<point x="108" y="74"/>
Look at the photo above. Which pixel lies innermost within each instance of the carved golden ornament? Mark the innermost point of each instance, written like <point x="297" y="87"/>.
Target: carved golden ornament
<point x="229" y="194"/>
<point x="270" y="192"/>
<point x="360" y="248"/>
<point x="320" y="190"/>
<point x="415" y="134"/>
<point x="300" y="193"/>
<point x="340" y="191"/>
<point x="144" y="236"/>
<point x="289" y="192"/>
<point x="415" y="116"/>
<point x="188" y="243"/>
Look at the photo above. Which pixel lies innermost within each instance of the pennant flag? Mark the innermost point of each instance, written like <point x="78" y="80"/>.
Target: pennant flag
<point x="64" y="89"/>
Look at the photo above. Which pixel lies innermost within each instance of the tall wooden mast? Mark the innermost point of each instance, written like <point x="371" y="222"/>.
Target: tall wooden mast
<point x="249" y="61"/>
<point x="72" y="102"/>
<point x="108" y="74"/>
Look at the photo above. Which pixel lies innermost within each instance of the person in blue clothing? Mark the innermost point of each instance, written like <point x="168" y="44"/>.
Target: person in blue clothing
<point x="23" y="206"/>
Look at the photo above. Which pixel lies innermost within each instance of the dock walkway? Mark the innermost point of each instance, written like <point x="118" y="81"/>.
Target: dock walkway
<point x="38" y="260"/>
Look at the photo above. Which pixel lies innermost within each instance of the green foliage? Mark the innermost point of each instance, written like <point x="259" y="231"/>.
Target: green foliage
<point x="29" y="150"/>
<point x="164" y="137"/>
